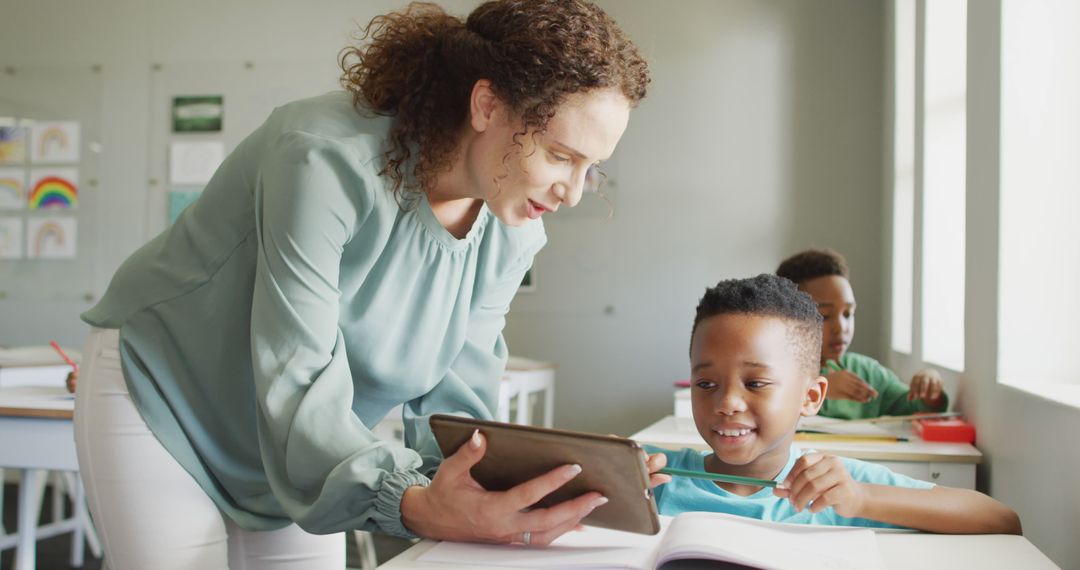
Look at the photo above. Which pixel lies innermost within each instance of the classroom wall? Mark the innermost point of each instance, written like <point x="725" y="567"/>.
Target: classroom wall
<point x="141" y="46"/>
<point x="760" y="136"/>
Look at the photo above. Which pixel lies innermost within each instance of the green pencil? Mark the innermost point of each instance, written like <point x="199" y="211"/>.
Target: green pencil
<point x="718" y="477"/>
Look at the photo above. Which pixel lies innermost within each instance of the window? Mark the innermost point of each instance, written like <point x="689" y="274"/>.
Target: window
<point x="903" y="245"/>
<point x="944" y="183"/>
<point x="929" y="179"/>
<point x="1039" y="247"/>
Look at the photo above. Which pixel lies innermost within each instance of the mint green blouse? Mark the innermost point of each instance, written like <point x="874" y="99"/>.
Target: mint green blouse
<point x="292" y="306"/>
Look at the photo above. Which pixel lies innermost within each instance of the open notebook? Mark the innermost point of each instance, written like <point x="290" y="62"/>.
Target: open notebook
<point x="37" y="366"/>
<point x="834" y="426"/>
<point x="689" y="536"/>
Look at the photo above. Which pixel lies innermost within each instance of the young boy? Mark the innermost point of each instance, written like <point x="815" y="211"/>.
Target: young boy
<point x="754" y="365"/>
<point x="859" y="386"/>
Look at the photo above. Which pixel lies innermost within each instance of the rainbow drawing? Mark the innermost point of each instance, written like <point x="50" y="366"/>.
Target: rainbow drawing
<point x="50" y="137"/>
<point x="55" y="142"/>
<point x="53" y="189"/>
<point x="12" y="192"/>
<point x="51" y="237"/>
<point x="48" y="233"/>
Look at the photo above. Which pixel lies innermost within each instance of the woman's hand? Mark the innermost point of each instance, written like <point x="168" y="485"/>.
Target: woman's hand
<point x="72" y="380"/>
<point x="818" y="482"/>
<point x="927" y="386"/>
<point x="456" y="507"/>
<point x="844" y="385"/>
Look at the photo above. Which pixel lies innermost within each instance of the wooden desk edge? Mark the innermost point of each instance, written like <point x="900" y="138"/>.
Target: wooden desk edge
<point x="37" y="413"/>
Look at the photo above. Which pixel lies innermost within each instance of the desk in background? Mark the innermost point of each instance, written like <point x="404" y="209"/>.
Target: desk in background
<point x="949" y="464"/>
<point x="523" y="379"/>
<point x="37" y="434"/>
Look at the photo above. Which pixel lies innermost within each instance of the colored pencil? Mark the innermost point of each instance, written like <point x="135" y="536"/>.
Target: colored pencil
<point x="811" y="435"/>
<point x="69" y="361"/>
<point x="884" y="419"/>
<point x="719" y="477"/>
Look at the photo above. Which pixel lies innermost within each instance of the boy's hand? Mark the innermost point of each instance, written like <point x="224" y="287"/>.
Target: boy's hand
<point x="656" y="462"/>
<point x="927" y="386"/>
<point x="820" y="481"/>
<point x="844" y="385"/>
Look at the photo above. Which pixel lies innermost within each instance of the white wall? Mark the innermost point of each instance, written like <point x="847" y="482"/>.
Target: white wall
<point x="760" y="136"/>
<point x="126" y="38"/>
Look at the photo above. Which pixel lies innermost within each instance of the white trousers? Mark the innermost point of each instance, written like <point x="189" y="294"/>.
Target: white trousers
<point x="149" y="511"/>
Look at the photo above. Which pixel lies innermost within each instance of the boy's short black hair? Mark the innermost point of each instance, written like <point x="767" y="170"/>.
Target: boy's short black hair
<point x="811" y="264"/>
<point x="768" y="296"/>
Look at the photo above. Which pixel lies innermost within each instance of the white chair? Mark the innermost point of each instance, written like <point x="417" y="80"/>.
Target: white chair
<point x="523" y="379"/>
<point x="39" y="366"/>
<point x="78" y="524"/>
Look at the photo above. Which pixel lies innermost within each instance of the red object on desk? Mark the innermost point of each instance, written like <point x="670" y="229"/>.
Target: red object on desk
<point x="944" y="429"/>
<point x="682" y="383"/>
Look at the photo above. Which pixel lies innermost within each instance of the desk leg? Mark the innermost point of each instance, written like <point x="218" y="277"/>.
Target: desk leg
<point x="524" y="407"/>
<point x="507" y="390"/>
<point x="549" y="406"/>
<point x="78" y="512"/>
<point x="88" y="532"/>
<point x="3" y="530"/>
<point x="29" y="503"/>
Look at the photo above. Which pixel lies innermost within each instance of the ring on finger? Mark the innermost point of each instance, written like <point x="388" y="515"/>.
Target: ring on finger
<point x="526" y="538"/>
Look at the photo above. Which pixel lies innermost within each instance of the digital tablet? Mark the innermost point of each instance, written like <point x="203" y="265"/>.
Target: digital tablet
<point x="612" y="466"/>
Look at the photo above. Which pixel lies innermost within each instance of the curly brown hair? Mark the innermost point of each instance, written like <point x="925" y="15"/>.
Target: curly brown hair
<point x="419" y="66"/>
<point x="811" y="264"/>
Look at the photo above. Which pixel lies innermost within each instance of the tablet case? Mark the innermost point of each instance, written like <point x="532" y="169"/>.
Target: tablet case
<point x="515" y="453"/>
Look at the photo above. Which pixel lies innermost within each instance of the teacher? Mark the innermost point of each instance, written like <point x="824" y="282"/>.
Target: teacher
<point x="358" y="251"/>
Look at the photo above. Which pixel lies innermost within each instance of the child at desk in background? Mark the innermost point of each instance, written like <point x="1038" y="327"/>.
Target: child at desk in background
<point x="859" y="386"/>
<point x="754" y="373"/>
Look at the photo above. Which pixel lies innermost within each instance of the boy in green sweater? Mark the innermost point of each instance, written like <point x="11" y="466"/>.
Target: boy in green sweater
<point x="859" y="386"/>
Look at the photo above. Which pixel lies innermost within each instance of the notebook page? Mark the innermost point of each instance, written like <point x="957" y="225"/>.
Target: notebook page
<point x="591" y="548"/>
<point x="769" y="545"/>
<point x="35" y="356"/>
<point x="841" y="427"/>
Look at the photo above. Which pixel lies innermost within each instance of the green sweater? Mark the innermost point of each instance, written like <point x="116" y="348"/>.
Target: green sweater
<point x="892" y="393"/>
<point x="292" y="306"/>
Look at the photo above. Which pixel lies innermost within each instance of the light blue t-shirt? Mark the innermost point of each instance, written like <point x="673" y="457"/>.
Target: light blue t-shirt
<point x="293" y="305"/>
<point x="684" y="494"/>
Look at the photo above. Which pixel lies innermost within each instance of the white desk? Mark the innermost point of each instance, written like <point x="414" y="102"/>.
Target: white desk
<point x="950" y="464"/>
<point x="36" y="434"/>
<point x="901" y="551"/>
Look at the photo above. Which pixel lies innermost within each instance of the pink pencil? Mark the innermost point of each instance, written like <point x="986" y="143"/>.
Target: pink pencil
<point x="70" y="362"/>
